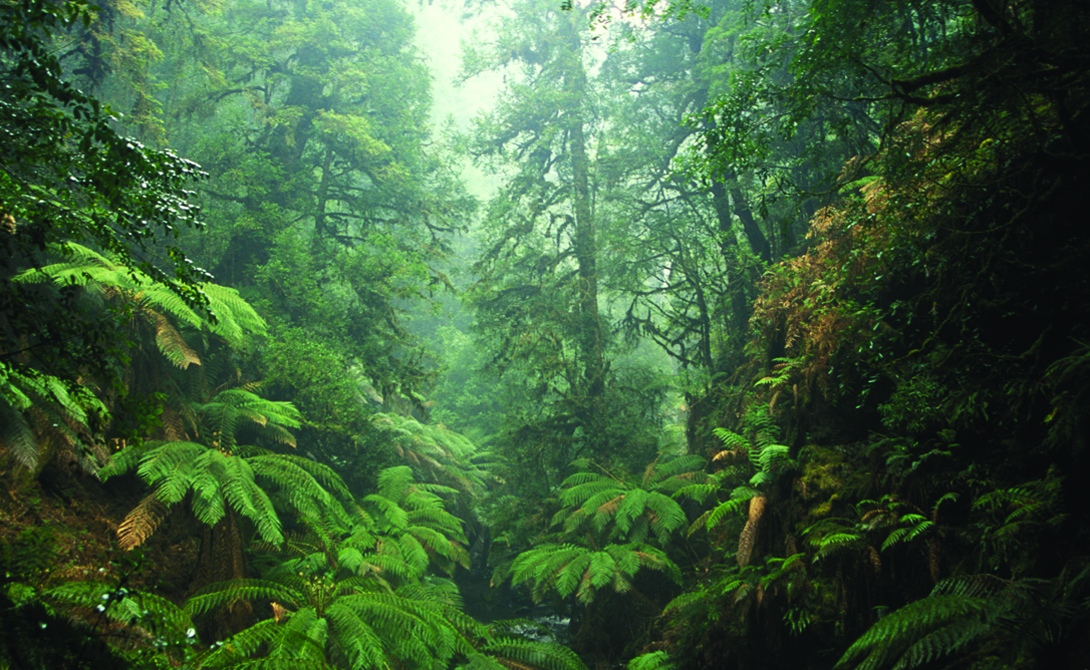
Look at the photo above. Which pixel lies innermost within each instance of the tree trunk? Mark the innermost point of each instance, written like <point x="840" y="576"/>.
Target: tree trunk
<point x="590" y="326"/>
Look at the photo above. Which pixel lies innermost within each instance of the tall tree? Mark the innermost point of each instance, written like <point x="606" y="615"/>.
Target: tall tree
<point x="540" y="305"/>
<point x="327" y="205"/>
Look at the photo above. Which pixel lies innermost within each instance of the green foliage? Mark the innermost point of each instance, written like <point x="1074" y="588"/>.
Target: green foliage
<point x="617" y="510"/>
<point x="362" y="597"/>
<point x="220" y="481"/>
<point x="417" y="516"/>
<point x="1014" y="520"/>
<point x="38" y="409"/>
<point x="232" y="410"/>
<point x="567" y="569"/>
<point x="228" y="315"/>
<point x="966" y="613"/>
<point x="223" y="475"/>
<point x="656" y="660"/>
<point x="71" y="177"/>
<point x="766" y="462"/>
<point x="443" y="454"/>
<point x="164" y="626"/>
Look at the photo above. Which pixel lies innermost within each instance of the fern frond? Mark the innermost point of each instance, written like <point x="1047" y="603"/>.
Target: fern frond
<point x="17" y="437"/>
<point x="223" y="594"/>
<point x="540" y="655"/>
<point x="234" y="316"/>
<point x="656" y="660"/>
<point x="171" y="344"/>
<point x="690" y="599"/>
<point x="698" y="492"/>
<point x="123" y="605"/>
<point x="837" y="542"/>
<point x="888" y="642"/>
<point x="169" y="467"/>
<point x="591" y="490"/>
<point x="665" y="515"/>
<point x="631" y="506"/>
<point x="731" y="440"/>
<point x="711" y="519"/>
<point x="677" y="467"/>
<point x="141" y="522"/>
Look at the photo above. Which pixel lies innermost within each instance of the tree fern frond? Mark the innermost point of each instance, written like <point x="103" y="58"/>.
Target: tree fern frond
<point x="171" y="343"/>
<point x="222" y="594"/>
<point x="320" y="473"/>
<point x="738" y="497"/>
<point x="665" y="514"/>
<point x="972" y="586"/>
<point x="947" y="640"/>
<point x="413" y="552"/>
<point x="656" y="660"/>
<point x="887" y="641"/>
<point x="250" y="500"/>
<point x="17" y="437"/>
<point x="690" y="599"/>
<point x="837" y="542"/>
<point x="235" y="652"/>
<point x="158" y="297"/>
<point x="234" y="316"/>
<point x="169" y="467"/>
<point x="141" y="521"/>
<point x="359" y="641"/>
<point x="589" y="490"/>
<point x="698" y="492"/>
<point x="540" y="655"/>
<point x="665" y="470"/>
<point x="731" y="440"/>
<point x="123" y="605"/>
<point x="632" y="505"/>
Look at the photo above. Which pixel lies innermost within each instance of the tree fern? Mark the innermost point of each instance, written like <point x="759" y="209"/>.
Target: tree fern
<point x="438" y="452"/>
<point x="230" y="410"/>
<point x="971" y="612"/>
<point x="219" y="482"/>
<point x="415" y="513"/>
<point x="36" y="406"/>
<point x="625" y="510"/>
<point x="231" y="317"/>
<point x="349" y="601"/>
<point x="656" y="660"/>
<point x="567" y="569"/>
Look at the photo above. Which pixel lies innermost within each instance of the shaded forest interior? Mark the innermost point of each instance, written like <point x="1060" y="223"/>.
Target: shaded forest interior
<point x="741" y="334"/>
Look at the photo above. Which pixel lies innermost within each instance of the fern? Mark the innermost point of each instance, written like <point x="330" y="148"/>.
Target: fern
<point x="712" y="518"/>
<point x="229" y="410"/>
<point x="534" y="654"/>
<point x="441" y="453"/>
<point x="920" y="527"/>
<point x="230" y="317"/>
<point x="145" y="618"/>
<point x="219" y="482"/>
<point x="889" y="643"/>
<point x="656" y="660"/>
<point x="967" y="613"/>
<point x="35" y="408"/>
<point x="567" y="569"/>
<point x="626" y="511"/>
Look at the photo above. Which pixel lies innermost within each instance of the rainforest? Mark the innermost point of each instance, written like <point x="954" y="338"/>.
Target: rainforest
<point x="544" y="334"/>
